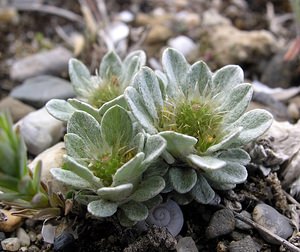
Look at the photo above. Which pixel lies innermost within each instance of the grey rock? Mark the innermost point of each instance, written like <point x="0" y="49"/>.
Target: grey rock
<point x="244" y="245"/>
<point x="272" y="220"/>
<point x="242" y="225"/>
<point x="52" y="62"/>
<point x="40" y="130"/>
<point x="11" y="244"/>
<point x="37" y="91"/>
<point x="23" y="237"/>
<point x="16" y="108"/>
<point x="33" y="248"/>
<point x="186" y="244"/>
<point x="2" y="236"/>
<point x="221" y="223"/>
<point x="280" y="72"/>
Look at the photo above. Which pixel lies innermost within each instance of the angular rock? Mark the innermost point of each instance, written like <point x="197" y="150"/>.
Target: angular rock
<point x="11" y="244"/>
<point x="16" y="108"/>
<point x="228" y="45"/>
<point x="23" y="237"/>
<point x="40" y="130"/>
<point x="52" y="62"/>
<point x="272" y="220"/>
<point x="12" y="222"/>
<point x="186" y="244"/>
<point x="244" y="245"/>
<point x="37" y="91"/>
<point x="51" y="158"/>
<point x="221" y="223"/>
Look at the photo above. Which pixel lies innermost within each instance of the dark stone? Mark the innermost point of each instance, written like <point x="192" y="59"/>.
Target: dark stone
<point x="244" y="245"/>
<point x="64" y="242"/>
<point x="221" y="223"/>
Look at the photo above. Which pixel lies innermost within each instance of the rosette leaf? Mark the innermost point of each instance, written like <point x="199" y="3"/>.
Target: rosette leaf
<point x="109" y="160"/>
<point x="202" y="117"/>
<point x="99" y="92"/>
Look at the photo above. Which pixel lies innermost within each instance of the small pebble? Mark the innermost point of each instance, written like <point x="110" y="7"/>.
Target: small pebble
<point x="293" y="111"/>
<point x="244" y="245"/>
<point x="2" y="236"/>
<point x="242" y="225"/>
<point x="23" y="237"/>
<point x="11" y="223"/>
<point x="32" y="236"/>
<point x="221" y="223"/>
<point x="272" y="220"/>
<point x="33" y="248"/>
<point x="23" y="249"/>
<point x="11" y="244"/>
<point x="186" y="244"/>
<point x="63" y="241"/>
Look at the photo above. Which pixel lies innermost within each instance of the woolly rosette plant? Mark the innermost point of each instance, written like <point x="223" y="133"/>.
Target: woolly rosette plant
<point x="110" y="165"/>
<point x="97" y="93"/>
<point x="202" y="117"/>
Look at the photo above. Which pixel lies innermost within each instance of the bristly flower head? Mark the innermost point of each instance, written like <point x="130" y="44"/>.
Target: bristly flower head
<point x="107" y="164"/>
<point x="93" y="91"/>
<point x="202" y="117"/>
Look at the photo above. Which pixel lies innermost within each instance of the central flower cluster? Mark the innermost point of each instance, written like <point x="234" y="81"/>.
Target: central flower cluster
<point x="192" y="118"/>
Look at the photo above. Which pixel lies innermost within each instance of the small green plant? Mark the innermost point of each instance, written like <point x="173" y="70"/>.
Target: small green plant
<point x="202" y="117"/>
<point x="96" y="93"/>
<point x="108" y="164"/>
<point x="19" y="186"/>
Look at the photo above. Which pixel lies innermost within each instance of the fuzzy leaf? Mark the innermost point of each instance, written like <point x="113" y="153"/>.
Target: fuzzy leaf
<point x="120" y="100"/>
<point x="124" y="221"/>
<point x="87" y="128"/>
<point x="111" y="65"/>
<point x="236" y="102"/>
<point x="235" y="155"/>
<point x="181" y="199"/>
<point x="139" y="111"/>
<point x="80" y="105"/>
<point x="132" y="56"/>
<point x="80" y="77"/>
<point x="70" y="178"/>
<point x="146" y="83"/>
<point x="116" y="127"/>
<point x="148" y="189"/>
<point x="153" y="202"/>
<point x="176" y="67"/>
<point x="76" y="147"/>
<point x="82" y="172"/>
<point x="117" y="193"/>
<point x="163" y="82"/>
<point x="60" y="109"/>
<point x="232" y="173"/>
<point x="227" y="78"/>
<point x="179" y="145"/>
<point x="102" y="208"/>
<point x="157" y="168"/>
<point x="202" y="192"/>
<point x="154" y="146"/>
<point x="129" y="171"/>
<point x="226" y="141"/>
<point x="199" y="76"/>
<point x="254" y="123"/>
<point x="221" y="186"/>
<point x="135" y="211"/>
<point x="182" y="179"/>
<point x="205" y="163"/>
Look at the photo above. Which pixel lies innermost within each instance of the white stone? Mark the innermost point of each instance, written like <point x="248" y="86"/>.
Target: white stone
<point x="213" y="17"/>
<point x="23" y="237"/>
<point x="40" y="130"/>
<point x="183" y="44"/>
<point x="186" y="244"/>
<point x="50" y="158"/>
<point x="118" y="31"/>
<point x="11" y="244"/>
<point x="126" y="16"/>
